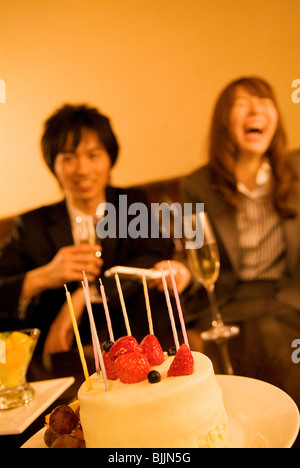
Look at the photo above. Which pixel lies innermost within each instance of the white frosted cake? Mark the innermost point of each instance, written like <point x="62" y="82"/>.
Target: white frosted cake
<point x="183" y="411"/>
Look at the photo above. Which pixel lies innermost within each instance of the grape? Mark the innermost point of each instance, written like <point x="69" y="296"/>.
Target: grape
<point x="66" y="441"/>
<point x="62" y="420"/>
<point x="49" y="437"/>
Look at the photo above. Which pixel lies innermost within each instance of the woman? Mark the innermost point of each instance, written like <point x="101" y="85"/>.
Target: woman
<point x="44" y="252"/>
<point x="250" y="192"/>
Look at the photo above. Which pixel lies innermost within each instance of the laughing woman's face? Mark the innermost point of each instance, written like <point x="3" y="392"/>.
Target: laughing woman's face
<point x="253" y="123"/>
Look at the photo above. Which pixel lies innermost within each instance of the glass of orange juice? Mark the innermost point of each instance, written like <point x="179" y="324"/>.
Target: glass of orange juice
<point x="16" y="350"/>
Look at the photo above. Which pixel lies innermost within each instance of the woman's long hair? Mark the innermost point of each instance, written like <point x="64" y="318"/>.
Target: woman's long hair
<point x="223" y="151"/>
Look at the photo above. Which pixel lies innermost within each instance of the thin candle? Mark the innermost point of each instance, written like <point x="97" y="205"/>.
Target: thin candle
<point x="123" y="304"/>
<point x="78" y="340"/>
<point x="104" y="300"/>
<point x="146" y="294"/>
<point x="170" y="310"/>
<point x="88" y="300"/>
<point x="95" y="335"/>
<point x="179" y="309"/>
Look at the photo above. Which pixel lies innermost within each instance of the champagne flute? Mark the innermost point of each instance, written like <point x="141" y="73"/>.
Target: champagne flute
<point x="204" y="262"/>
<point x="87" y="235"/>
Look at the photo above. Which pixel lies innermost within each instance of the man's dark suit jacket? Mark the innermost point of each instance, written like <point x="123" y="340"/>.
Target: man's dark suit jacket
<point x="37" y="237"/>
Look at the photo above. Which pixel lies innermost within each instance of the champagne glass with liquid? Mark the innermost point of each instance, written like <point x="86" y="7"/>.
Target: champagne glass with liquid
<point x="204" y="262"/>
<point x="87" y="235"/>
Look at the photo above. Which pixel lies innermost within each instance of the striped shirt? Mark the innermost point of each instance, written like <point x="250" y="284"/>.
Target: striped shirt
<point x="261" y="234"/>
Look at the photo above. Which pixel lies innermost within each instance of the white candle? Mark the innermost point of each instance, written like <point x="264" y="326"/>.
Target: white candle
<point x="179" y="309"/>
<point x="170" y="310"/>
<point x="147" y="303"/>
<point x="123" y="304"/>
<point x="88" y="299"/>
<point x="95" y="335"/>
<point x="104" y="300"/>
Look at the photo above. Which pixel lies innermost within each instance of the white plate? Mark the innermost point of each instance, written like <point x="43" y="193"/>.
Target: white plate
<point x="15" y="421"/>
<point x="259" y="414"/>
<point x="131" y="272"/>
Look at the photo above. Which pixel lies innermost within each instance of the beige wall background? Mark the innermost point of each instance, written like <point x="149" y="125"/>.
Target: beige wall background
<point x="154" y="66"/>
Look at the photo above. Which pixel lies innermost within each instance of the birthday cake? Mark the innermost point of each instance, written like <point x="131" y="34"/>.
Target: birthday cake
<point x="142" y="397"/>
<point x="183" y="407"/>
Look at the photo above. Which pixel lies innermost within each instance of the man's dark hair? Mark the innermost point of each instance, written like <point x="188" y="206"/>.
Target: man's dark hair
<point x="71" y="120"/>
